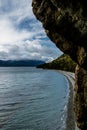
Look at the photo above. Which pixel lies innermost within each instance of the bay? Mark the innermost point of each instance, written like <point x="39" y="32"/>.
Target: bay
<point x="32" y="99"/>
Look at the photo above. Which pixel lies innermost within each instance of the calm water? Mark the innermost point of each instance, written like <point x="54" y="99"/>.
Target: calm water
<point x="32" y="99"/>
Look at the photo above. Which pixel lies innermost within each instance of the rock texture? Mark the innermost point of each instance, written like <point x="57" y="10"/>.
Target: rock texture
<point x="65" y="22"/>
<point x="80" y="98"/>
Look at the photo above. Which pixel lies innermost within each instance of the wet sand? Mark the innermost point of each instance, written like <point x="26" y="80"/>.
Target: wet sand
<point x="70" y="122"/>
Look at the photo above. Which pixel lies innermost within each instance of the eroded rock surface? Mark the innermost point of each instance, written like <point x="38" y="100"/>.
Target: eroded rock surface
<point x="80" y="104"/>
<point x="65" y="22"/>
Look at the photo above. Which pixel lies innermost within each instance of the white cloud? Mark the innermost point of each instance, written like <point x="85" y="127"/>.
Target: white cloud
<point x="16" y="9"/>
<point x="26" y="50"/>
<point x="10" y="35"/>
<point x="20" y="39"/>
<point x="11" y="19"/>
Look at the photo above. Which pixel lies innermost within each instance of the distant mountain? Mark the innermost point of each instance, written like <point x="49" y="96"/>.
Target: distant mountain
<point x="19" y="63"/>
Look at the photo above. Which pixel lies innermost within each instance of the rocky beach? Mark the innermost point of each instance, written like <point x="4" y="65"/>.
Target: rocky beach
<point x="70" y="122"/>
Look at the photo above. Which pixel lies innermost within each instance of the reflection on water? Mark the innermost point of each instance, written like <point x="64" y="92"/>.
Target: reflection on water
<point x="32" y="99"/>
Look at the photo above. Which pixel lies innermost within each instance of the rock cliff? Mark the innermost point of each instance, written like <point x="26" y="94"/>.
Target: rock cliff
<point x="65" y="23"/>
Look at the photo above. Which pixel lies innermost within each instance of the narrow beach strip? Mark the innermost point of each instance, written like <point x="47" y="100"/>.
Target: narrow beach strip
<point x="70" y="122"/>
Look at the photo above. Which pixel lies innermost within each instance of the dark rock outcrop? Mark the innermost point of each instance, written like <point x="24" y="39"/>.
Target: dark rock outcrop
<point x="65" y="22"/>
<point x="80" y="98"/>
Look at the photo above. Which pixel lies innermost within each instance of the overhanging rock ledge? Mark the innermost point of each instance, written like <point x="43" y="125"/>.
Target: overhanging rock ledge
<point x="65" y="23"/>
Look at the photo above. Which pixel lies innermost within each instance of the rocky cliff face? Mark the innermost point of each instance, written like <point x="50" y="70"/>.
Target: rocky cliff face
<point x="65" y="22"/>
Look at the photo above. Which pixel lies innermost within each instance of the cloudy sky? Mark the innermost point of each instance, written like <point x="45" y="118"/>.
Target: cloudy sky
<point x="21" y="35"/>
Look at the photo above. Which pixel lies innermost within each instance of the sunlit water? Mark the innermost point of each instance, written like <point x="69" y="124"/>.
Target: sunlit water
<point x="32" y="99"/>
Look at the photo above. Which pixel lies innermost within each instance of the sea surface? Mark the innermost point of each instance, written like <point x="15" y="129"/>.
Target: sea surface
<point x="32" y="99"/>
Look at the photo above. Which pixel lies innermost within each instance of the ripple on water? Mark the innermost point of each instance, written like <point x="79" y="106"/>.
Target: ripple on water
<point x="32" y="99"/>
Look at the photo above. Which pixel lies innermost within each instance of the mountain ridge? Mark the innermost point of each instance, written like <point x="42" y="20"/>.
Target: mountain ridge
<point x="19" y="63"/>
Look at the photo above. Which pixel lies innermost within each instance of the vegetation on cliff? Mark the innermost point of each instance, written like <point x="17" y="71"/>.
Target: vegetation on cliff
<point x="64" y="62"/>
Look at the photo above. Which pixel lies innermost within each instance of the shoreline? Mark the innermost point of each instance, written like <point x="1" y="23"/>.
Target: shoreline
<point x="70" y="121"/>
